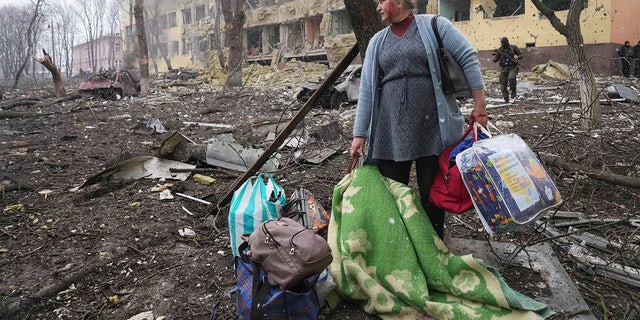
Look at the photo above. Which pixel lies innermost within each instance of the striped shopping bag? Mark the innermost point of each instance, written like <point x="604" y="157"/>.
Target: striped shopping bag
<point x="259" y="199"/>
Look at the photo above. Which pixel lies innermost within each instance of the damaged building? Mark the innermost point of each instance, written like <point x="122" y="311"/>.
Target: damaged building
<point x="189" y="33"/>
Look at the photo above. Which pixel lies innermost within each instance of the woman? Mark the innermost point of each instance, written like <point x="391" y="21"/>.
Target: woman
<point x="402" y="109"/>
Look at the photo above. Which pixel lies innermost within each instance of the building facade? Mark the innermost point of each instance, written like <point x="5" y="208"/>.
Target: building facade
<point x="188" y="33"/>
<point x="101" y="54"/>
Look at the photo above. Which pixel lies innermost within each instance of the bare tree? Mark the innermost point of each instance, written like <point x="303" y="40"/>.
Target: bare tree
<point x="591" y="109"/>
<point x="113" y="24"/>
<point x="129" y="38"/>
<point x="63" y="17"/>
<point x="13" y="40"/>
<point x="217" y="42"/>
<point x="143" y="59"/>
<point x="31" y="32"/>
<point x="234" y="17"/>
<point x="92" y="13"/>
<point x="152" y="26"/>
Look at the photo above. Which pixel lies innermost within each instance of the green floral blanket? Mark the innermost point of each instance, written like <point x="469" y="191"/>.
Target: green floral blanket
<point x="388" y="258"/>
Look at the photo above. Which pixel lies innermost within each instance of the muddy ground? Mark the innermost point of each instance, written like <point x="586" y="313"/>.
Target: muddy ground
<point x="112" y="250"/>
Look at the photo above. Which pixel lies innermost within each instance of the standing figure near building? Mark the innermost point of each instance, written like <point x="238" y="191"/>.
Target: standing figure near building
<point x="626" y="53"/>
<point x="636" y="60"/>
<point x="507" y="56"/>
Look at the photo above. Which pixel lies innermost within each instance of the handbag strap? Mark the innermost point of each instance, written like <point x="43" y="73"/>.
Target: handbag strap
<point x="259" y="292"/>
<point x="268" y="234"/>
<point x="434" y="26"/>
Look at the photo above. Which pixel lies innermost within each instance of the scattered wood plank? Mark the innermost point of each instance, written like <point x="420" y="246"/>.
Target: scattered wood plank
<point x="592" y="240"/>
<point x="606" y="176"/>
<point x="605" y="268"/>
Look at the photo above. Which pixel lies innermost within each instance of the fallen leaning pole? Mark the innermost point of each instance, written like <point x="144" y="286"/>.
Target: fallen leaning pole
<point x="293" y="123"/>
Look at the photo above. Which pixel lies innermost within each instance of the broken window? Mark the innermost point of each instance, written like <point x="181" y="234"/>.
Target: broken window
<point x="270" y="38"/>
<point x="175" y="48"/>
<point x="201" y="44"/>
<point x="295" y="35"/>
<point x="163" y="49"/>
<point x="457" y="10"/>
<point x="340" y="23"/>
<point x="172" y="20"/>
<point x="185" y="47"/>
<point x="557" y="5"/>
<point x="507" y="8"/>
<point x="254" y="41"/>
<point x="162" y="22"/>
<point x="200" y="12"/>
<point x="186" y="16"/>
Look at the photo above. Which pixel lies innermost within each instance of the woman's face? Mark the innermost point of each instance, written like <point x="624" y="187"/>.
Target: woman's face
<point x="388" y="10"/>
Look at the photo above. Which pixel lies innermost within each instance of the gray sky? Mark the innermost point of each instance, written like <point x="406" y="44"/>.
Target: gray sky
<point x="21" y="2"/>
<point x="17" y="2"/>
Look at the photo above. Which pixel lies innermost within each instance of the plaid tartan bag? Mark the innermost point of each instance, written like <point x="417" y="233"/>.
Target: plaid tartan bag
<point x="300" y="303"/>
<point x="259" y="300"/>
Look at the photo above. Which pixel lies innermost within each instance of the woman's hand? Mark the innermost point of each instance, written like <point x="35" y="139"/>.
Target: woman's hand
<point x="479" y="112"/>
<point x="479" y="117"/>
<point x="357" y="147"/>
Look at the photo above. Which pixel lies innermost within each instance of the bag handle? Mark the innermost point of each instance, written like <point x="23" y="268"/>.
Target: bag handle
<point x="477" y="127"/>
<point x="434" y="26"/>
<point x="260" y="291"/>
<point x="274" y="191"/>
<point x="353" y="164"/>
<point x="467" y="132"/>
<point x="268" y="236"/>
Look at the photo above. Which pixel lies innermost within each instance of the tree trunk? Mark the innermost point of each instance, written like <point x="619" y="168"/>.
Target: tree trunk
<point x="364" y="20"/>
<point x="55" y="72"/>
<point x="219" y="44"/>
<point x="30" y="41"/>
<point x="234" y="21"/>
<point x="591" y="109"/>
<point x="143" y="59"/>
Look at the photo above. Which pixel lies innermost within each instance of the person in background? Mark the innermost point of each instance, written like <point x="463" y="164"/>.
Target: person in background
<point x="508" y="57"/>
<point x="402" y="112"/>
<point x="625" y="52"/>
<point x="636" y="60"/>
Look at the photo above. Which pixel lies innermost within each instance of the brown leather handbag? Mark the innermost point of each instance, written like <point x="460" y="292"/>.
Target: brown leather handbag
<point x="288" y="252"/>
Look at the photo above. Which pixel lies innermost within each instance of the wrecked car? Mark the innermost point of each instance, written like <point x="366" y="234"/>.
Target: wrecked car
<point x="181" y="74"/>
<point x="344" y="91"/>
<point x="112" y="85"/>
